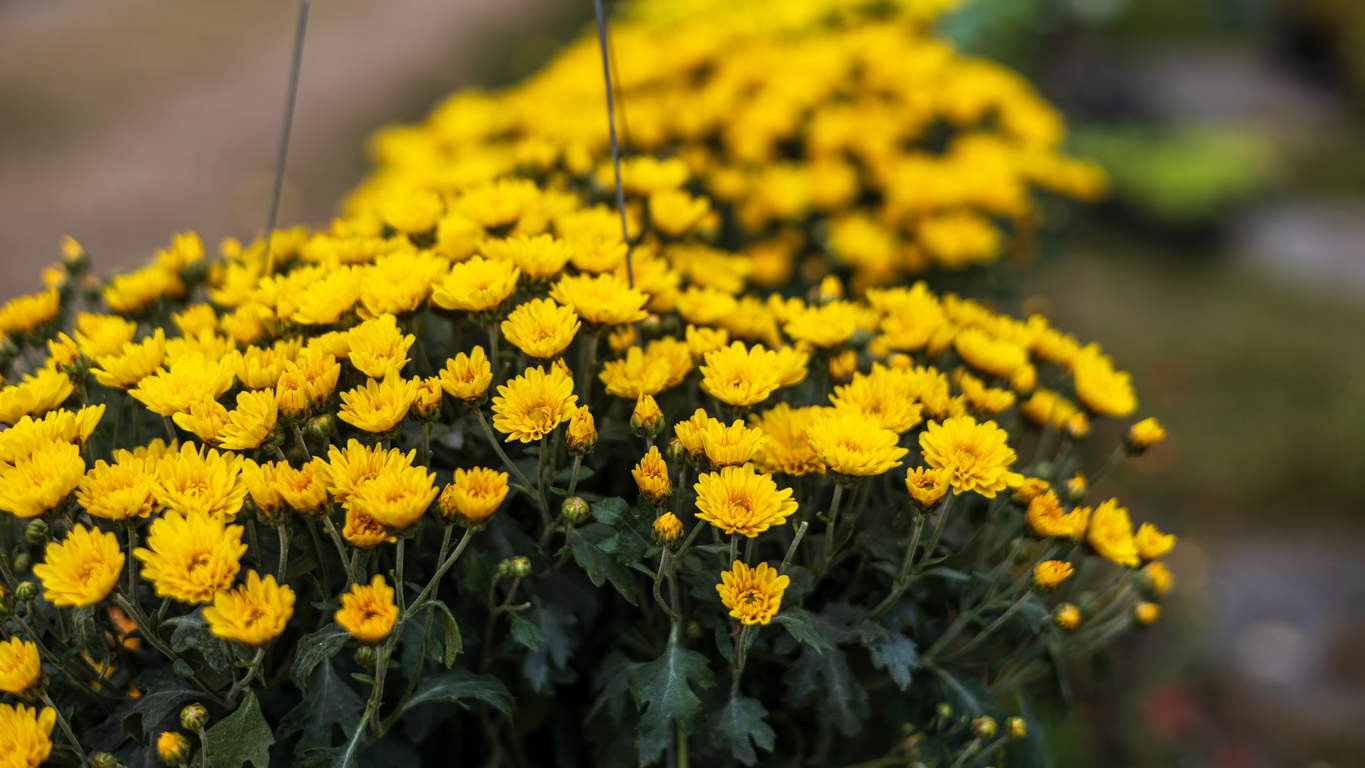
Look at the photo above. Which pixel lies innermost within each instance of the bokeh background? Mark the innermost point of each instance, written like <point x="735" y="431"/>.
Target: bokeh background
<point x="1227" y="271"/>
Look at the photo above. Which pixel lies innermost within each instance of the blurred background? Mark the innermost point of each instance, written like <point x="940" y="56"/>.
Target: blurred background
<point x="1227" y="271"/>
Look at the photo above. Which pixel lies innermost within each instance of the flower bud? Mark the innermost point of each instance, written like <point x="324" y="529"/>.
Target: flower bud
<point x="830" y="290"/>
<point x="667" y="530"/>
<point x="1143" y="435"/>
<point x="944" y="710"/>
<point x="581" y="435"/>
<point x="194" y="717"/>
<point x="172" y="748"/>
<point x="321" y="427"/>
<point x="1076" y="488"/>
<point x="1154" y="581"/>
<point x="6" y="602"/>
<point x="105" y="760"/>
<point x="928" y="487"/>
<point x="694" y="629"/>
<point x="675" y="452"/>
<point x="26" y="591"/>
<point x="647" y="421"/>
<point x="74" y="257"/>
<point x="22" y="561"/>
<point x="365" y="656"/>
<point x="1067" y="616"/>
<point x="426" y="407"/>
<point x="984" y="727"/>
<point x="37" y="533"/>
<point x="842" y="366"/>
<point x="651" y="476"/>
<point x="1016" y="728"/>
<point x="1146" y="614"/>
<point x="514" y="568"/>
<point x="1048" y="574"/>
<point x="1077" y="426"/>
<point x="1030" y="488"/>
<point x="575" y="509"/>
<point x="1024" y="379"/>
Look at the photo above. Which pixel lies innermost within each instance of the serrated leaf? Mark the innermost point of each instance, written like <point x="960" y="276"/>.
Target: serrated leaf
<point x="192" y="632"/>
<point x="330" y="702"/>
<point x="634" y="533"/>
<point x="526" y="632"/>
<point x="828" y="678"/>
<point x="312" y="649"/>
<point x="323" y="757"/>
<point x="243" y="736"/>
<point x="798" y="623"/>
<point x="663" y="689"/>
<point x="477" y="571"/>
<point x="458" y="685"/>
<point x="891" y="651"/>
<point x="600" y="566"/>
<point x="970" y="696"/>
<point x="163" y="692"/>
<point x="611" y="681"/>
<point x="736" y="724"/>
<point x="554" y="622"/>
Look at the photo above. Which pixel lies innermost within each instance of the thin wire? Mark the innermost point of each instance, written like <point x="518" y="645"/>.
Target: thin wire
<point x="284" y="136"/>
<point x="611" y="128"/>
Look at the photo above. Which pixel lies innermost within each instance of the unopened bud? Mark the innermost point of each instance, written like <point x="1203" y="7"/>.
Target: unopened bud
<point x="1146" y="614"/>
<point x="1067" y="616"/>
<point x="26" y="591"/>
<point x="22" y="561"/>
<point x="172" y="748"/>
<point x="647" y="421"/>
<point x="321" y="427"/>
<point x="581" y="435"/>
<point x="37" y="533"/>
<point x="575" y="509"/>
<point x="6" y="602"/>
<point x="1143" y="435"/>
<point x="694" y="629"/>
<point x="74" y="257"/>
<point x="1077" y="426"/>
<point x="944" y="710"/>
<point x="1016" y="728"/>
<point x="426" y="407"/>
<point x="984" y="727"/>
<point x="667" y="530"/>
<point x="842" y="366"/>
<point x="104" y="760"/>
<point x="365" y="656"/>
<point x="1076" y="488"/>
<point x="521" y="567"/>
<point x="675" y="452"/>
<point x="194" y="717"/>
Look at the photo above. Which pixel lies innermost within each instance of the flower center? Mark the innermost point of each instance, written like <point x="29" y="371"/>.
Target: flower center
<point x="541" y="417"/>
<point x="751" y="598"/>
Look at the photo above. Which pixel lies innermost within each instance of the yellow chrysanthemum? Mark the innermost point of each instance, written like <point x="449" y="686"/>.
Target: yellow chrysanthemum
<point x="28" y="433"/>
<point x="368" y="612"/>
<point x="741" y="377"/>
<point x="195" y="318"/>
<point x="252" y="422"/>
<point x="25" y="313"/>
<point x="35" y="395"/>
<point x="39" y="482"/>
<point x="885" y="395"/>
<point x="378" y="347"/>
<point x="349" y="468"/>
<point x="466" y="377"/>
<point x="675" y="357"/>
<point x="1046" y="406"/>
<point x="852" y="444"/>
<point x="132" y="362"/>
<point x="739" y="500"/>
<point x="539" y="258"/>
<point x="977" y="456"/>
<point x="635" y="374"/>
<point x="602" y="300"/>
<point x="702" y="340"/>
<point x="200" y="480"/>
<point x="173" y="748"/>
<point x="530" y="406"/>
<point x="205" y="420"/>
<point x="399" y="282"/>
<point x="396" y="499"/>
<point x="252" y="614"/>
<point x="261" y="483"/>
<point x="121" y="491"/>
<point x="26" y="735"/>
<point x="320" y="371"/>
<point x="1111" y="534"/>
<point x="1049" y="573"/>
<point x="62" y="353"/>
<point x="1143" y="435"/>
<point x="700" y="305"/>
<point x="21" y="670"/>
<point x="651" y="477"/>
<point x="325" y="301"/>
<point x="291" y="396"/>
<point x="191" y="379"/>
<point x="1158" y="579"/>
<point x="1047" y="519"/>
<point x="667" y="530"/>
<point x="82" y="569"/>
<point x="997" y="357"/>
<point x="826" y="325"/>
<point x="730" y="446"/>
<point x="304" y="489"/>
<point x="927" y="486"/>
<point x="472" y="497"/>
<point x="674" y="212"/>
<point x="207" y="343"/>
<point x="260" y="368"/>
<point x="1102" y="389"/>
<point x="984" y="399"/>
<point x="378" y="407"/>
<point x="785" y="447"/>
<point x="1152" y="543"/>
<point x="581" y="434"/>
<point x="476" y="285"/>
<point x="191" y="558"/>
<point x="753" y="595"/>
<point x="541" y="328"/>
<point x="364" y="532"/>
<point x="101" y="335"/>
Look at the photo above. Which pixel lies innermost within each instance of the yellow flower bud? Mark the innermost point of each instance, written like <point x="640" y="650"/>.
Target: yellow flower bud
<point x="1143" y="435"/>
<point x="173" y="748"/>
<point x="667" y="530"/>
<point x="647" y="421"/>
<point x="1146" y="614"/>
<point x="1067" y="616"/>
<point x="581" y="435"/>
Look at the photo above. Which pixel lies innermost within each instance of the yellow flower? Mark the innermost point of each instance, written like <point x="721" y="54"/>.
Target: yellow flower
<point x="1143" y="435"/>
<point x="853" y="445"/>
<point x="753" y="595"/>
<point x="601" y="300"/>
<point x="885" y="396"/>
<point x="791" y="363"/>
<point x="1024" y="379"/>
<point x="635" y="374"/>
<point x="100" y="335"/>
<point x="1067" y="616"/>
<point x="1031" y="488"/>
<point x="824" y="326"/>
<point x="320" y="371"/>
<point x="262" y="484"/>
<point x="191" y="379"/>
<point x="1076" y="487"/>
<point x="348" y="469"/>
<point x="378" y="347"/>
<point x="173" y="748"/>
<point x="730" y="446"/>
<point x="35" y="395"/>
<point x="739" y="500"/>
<point x="1047" y="406"/>
<point x="28" y="433"/>
<point x="700" y="305"/>
<point x="785" y="447"/>
<point x="368" y="612"/>
<point x="1047" y="519"/>
<point x="25" y="313"/>
<point x="378" y="407"/>
<point x="1146" y="614"/>
<point x="541" y="328"/>
<point x="1152" y="543"/>
<point x="325" y="301"/>
<point x="986" y="400"/>
<point x="249" y="322"/>
<point x="82" y="570"/>
<point x="252" y="614"/>
<point x="207" y="343"/>
<point x="1049" y="573"/>
<point x="690" y="431"/>
<point x="622" y="338"/>
<point x="195" y="318"/>
<point x="667" y="530"/>
<point x="476" y="285"/>
<point x="399" y="282"/>
<point x="1102" y="389"/>
<point x="740" y="377"/>
<point x="39" y="482"/>
<point x="651" y="476"/>
<point x="466" y="377"/>
<point x="26" y="734"/>
<point x="1158" y="579"/>
<point x="291" y="395"/>
<point x="396" y="499"/>
<point x="581" y="434"/>
<point x="539" y="258"/>
<point x="977" y="456"/>
<point x="842" y="366"/>
<point x="364" y="532"/>
<point x="122" y="491"/>
<point x="334" y="343"/>
<point x="205" y="420"/>
<point x="997" y="357"/>
<point x="530" y="406"/>
<point x="191" y="558"/>
<point x="21" y="671"/>
<point x="703" y="340"/>
<point x="412" y="213"/>
<point x="928" y="486"/>
<point x="674" y="212"/>
<point x="258" y="368"/>
<point x="252" y="422"/>
<point x="674" y="355"/>
<point x="132" y="362"/>
<point x="472" y="497"/>
<point x="304" y="489"/>
<point x="63" y="353"/>
<point x="1111" y="534"/>
<point x="200" y="480"/>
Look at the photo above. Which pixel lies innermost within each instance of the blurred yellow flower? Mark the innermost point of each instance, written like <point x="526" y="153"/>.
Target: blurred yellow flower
<point x="1111" y="534"/>
<point x="824" y="326"/>
<point x="538" y="258"/>
<point x="785" y="447"/>
<point x="25" y="313"/>
<point x="1143" y="435"/>
<point x="635" y="374"/>
<point x="191" y="379"/>
<point x="132" y="362"/>
<point x="703" y="340"/>
<point x="601" y="300"/>
<point x="996" y="357"/>
<point x="21" y="670"/>
<point x="1152" y="543"/>
<point x="852" y="444"/>
<point x="26" y="734"/>
<point x="37" y="394"/>
<point x="100" y="335"/>
<point x="1050" y="573"/>
<point x="1100" y="388"/>
<point x="674" y="211"/>
<point x="38" y="483"/>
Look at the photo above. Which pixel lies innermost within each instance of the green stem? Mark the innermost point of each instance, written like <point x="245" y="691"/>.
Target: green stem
<point x="831" y="526"/>
<point x="131" y="526"/>
<point x="1114" y="460"/>
<point x="791" y="551"/>
<point x="300" y="444"/>
<point x="573" y="475"/>
<point x="734" y="550"/>
<point x="66" y="728"/>
<point x="940" y="526"/>
<point x="995" y="625"/>
<point x="436" y="577"/>
<point x="322" y="558"/>
<point x="541" y="464"/>
<point x="526" y="486"/>
<point x="169" y="426"/>
<point x="587" y="358"/>
<point x="424" y="454"/>
<point x="284" y="551"/>
<point x="135" y="613"/>
<point x="903" y="579"/>
<point x="659" y="583"/>
<point x="245" y="682"/>
<point x="349" y="565"/>
<point x="399" y="588"/>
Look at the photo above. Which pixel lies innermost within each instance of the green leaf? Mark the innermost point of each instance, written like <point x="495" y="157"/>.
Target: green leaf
<point x="312" y="649"/>
<point x="459" y="684"/>
<point x="454" y="642"/>
<point x="970" y="696"/>
<point x="243" y="736"/>
<point x="526" y="633"/>
<point x="163" y="692"/>
<point x="565" y="475"/>
<point x="891" y="651"/>
<point x="192" y="633"/>
<point x="554" y="621"/>
<point x="799" y="624"/>
<point x="599" y="565"/>
<point x="827" y="677"/>
<point x="634" y="533"/>
<point x="611" y="681"/>
<point x="477" y="571"/>
<point x="739" y="721"/>
<point x="663" y="685"/>
<point x="330" y="702"/>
